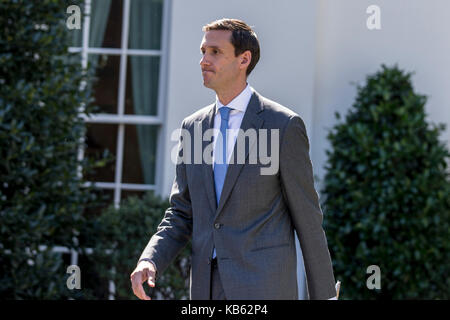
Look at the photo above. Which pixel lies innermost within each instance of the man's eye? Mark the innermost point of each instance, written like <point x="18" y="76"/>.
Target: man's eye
<point x="213" y="51"/>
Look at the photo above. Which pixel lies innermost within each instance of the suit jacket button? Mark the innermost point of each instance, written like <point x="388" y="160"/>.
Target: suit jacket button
<point x="217" y="225"/>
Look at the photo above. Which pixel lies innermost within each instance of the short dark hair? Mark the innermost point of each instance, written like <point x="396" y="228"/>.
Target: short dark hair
<point x="243" y="38"/>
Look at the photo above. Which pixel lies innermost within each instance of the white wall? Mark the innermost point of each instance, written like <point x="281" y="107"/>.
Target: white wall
<point x="414" y="33"/>
<point x="284" y="73"/>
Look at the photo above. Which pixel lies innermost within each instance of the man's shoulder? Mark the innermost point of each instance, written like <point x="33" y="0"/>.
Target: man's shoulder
<point x="198" y="115"/>
<point x="275" y="112"/>
<point x="274" y="107"/>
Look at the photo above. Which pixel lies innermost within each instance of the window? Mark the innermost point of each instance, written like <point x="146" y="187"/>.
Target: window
<point x="124" y="40"/>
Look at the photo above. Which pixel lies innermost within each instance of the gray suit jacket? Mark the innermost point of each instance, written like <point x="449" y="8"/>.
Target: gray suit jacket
<point x="252" y="228"/>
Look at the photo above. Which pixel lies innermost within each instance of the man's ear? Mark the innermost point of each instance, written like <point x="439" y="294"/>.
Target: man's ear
<point x="246" y="58"/>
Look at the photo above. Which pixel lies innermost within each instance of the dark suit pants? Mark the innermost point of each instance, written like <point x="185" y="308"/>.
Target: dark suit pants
<point x="216" y="291"/>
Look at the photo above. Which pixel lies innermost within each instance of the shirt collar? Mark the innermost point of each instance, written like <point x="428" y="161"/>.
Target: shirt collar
<point x="240" y="102"/>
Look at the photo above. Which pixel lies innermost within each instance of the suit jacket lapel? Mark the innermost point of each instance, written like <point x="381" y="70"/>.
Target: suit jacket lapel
<point x="251" y="120"/>
<point x="208" y="175"/>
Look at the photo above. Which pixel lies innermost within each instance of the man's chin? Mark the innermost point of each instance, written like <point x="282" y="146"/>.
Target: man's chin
<point x="207" y="84"/>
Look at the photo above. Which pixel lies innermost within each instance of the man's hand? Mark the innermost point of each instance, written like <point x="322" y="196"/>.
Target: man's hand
<point x="145" y="271"/>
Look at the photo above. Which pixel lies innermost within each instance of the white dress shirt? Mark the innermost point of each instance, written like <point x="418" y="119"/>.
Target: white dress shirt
<point x="238" y="106"/>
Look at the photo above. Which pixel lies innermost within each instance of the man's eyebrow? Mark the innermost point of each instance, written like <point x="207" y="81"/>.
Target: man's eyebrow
<point x="212" y="47"/>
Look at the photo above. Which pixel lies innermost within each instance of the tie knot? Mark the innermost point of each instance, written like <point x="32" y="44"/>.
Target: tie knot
<point x="224" y="112"/>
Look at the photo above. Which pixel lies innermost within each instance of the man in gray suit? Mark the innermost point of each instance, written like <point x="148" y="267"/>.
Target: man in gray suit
<point x="240" y="219"/>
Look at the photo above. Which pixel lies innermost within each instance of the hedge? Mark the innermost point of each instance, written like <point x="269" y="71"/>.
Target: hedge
<point x="386" y="194"/>
<point x="41" y="195"/>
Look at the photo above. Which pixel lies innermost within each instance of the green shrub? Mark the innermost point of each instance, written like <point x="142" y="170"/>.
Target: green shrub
<point x="41" y="196"/>
<point x="387" y="194"/>
<point x="118" y="238"/>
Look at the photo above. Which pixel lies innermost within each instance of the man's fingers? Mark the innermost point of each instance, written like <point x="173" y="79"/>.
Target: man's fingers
<point x="142" y="294"/>
<point x="139" y="291"/>
<point x="151" y="278"/>
<point x="137" y="279"/>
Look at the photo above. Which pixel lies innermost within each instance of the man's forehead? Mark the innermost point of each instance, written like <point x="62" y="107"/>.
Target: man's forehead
<point x="216" y="38"/>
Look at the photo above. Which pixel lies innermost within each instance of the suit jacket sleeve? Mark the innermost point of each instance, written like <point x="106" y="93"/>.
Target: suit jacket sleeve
<point x="175" y="229"/>
<point x="298" y="190"/>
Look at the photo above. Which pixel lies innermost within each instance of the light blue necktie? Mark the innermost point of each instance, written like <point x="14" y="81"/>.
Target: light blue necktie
<point x="220" y="151"/>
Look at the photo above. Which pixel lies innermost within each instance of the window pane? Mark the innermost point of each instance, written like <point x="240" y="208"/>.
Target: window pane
<point x="100" y="137"/>
<point x="145" y="24"/>
<point x="142" y="85"/>
<point x="106" y="87"/>
<point x="139" y="154"/>
<point x="106" y="23"/>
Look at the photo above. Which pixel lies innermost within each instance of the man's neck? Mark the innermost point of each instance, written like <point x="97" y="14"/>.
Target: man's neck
<point x="227" y="95"/>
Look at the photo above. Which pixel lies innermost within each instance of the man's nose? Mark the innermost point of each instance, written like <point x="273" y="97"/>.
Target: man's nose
<point x="203" y="60"/>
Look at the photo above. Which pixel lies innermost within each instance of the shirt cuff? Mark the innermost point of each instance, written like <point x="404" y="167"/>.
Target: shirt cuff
<point x="149" y="260"/>
<point x="334" y="298"/>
